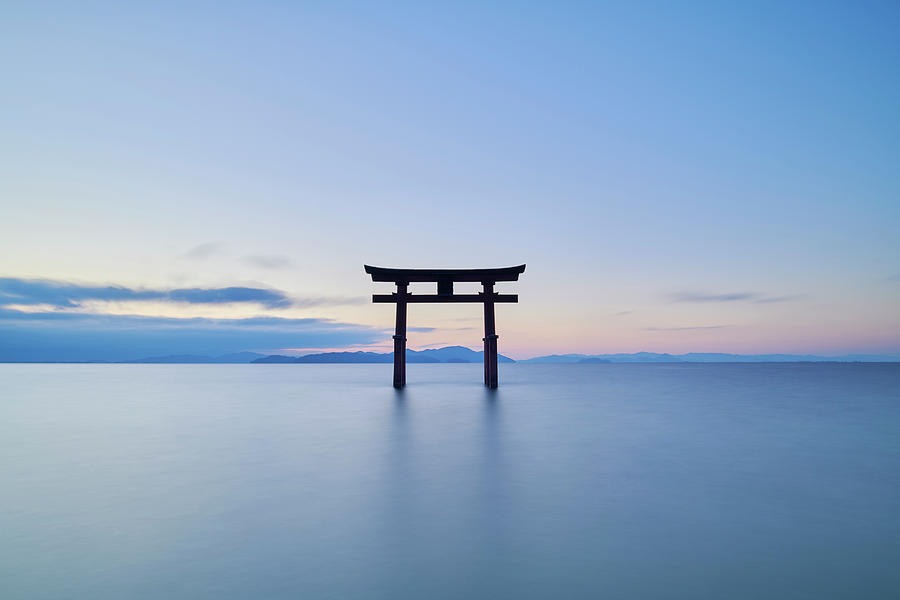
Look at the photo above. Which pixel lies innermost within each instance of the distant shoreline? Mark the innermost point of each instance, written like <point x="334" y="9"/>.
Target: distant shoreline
<point x="462" y="354"/>
<point x="522" y="362"/>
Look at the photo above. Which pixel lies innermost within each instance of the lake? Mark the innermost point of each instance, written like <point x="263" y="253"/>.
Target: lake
<point x="570" y="481"/>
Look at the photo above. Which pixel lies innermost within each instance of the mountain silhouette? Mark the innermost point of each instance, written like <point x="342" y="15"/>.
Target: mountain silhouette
<point x="448" y="354"/>
<point x="704" y="357"/>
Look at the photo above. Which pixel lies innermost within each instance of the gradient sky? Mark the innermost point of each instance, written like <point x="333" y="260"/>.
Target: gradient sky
<point x="677" y="176"/>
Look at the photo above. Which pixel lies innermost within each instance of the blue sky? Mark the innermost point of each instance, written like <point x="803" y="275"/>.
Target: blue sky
<point x="677" y="176"/>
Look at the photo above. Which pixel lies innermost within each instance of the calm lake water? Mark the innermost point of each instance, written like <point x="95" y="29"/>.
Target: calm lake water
<point x="571" y="481"/>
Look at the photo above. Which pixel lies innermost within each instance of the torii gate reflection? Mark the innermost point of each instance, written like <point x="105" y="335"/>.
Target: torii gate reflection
<point x="444" y="279"/>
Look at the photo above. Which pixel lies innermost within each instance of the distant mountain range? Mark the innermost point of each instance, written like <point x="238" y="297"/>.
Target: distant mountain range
<point x="237" y="357"/>
<point x="461" y="354"/>
<point x="705" y="357"/>
<point x="448" y="354"/>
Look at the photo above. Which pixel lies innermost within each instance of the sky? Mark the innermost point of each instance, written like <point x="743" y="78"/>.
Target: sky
<point x="678" y="177"/>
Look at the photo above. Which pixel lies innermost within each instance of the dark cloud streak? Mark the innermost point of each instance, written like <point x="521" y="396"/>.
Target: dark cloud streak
<point x="68" y="295"/>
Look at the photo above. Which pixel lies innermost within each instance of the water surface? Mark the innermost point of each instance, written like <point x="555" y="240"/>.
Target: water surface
<point x="570" y="481"/>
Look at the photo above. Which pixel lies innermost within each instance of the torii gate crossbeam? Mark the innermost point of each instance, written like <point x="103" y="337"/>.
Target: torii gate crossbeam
<point x="445" y="279"/>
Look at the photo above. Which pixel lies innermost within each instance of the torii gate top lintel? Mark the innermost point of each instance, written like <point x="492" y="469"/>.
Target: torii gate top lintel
<point x="445" y="279"/>
<point x="418" y="275"/>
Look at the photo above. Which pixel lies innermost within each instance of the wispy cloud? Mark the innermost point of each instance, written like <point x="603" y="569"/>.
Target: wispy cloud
<point x="622" y="313"/>
<point x="684" y="328"/>
<point x="204" y="250"/>
<point x="772" y="299"/>
<point x="269" y="261"/>
<point x="755" y="297"/>
<point x="71" y="336"/>
<point x="310" y="301"/>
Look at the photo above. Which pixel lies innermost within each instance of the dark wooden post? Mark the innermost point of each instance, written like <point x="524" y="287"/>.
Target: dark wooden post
<point x="490" y="337"/>
<point x="400" y="337"/>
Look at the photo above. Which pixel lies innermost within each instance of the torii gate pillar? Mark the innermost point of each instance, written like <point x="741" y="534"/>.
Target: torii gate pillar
<point x="490" y="338"/>
<point x="445" y="279"/>
<point x="400" y="338"/>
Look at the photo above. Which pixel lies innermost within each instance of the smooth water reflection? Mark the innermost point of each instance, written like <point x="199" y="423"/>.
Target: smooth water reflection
<point x="570" y="481"/>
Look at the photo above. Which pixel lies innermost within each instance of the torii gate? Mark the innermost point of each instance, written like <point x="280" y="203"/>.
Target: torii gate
<point x="444" y="279"/>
